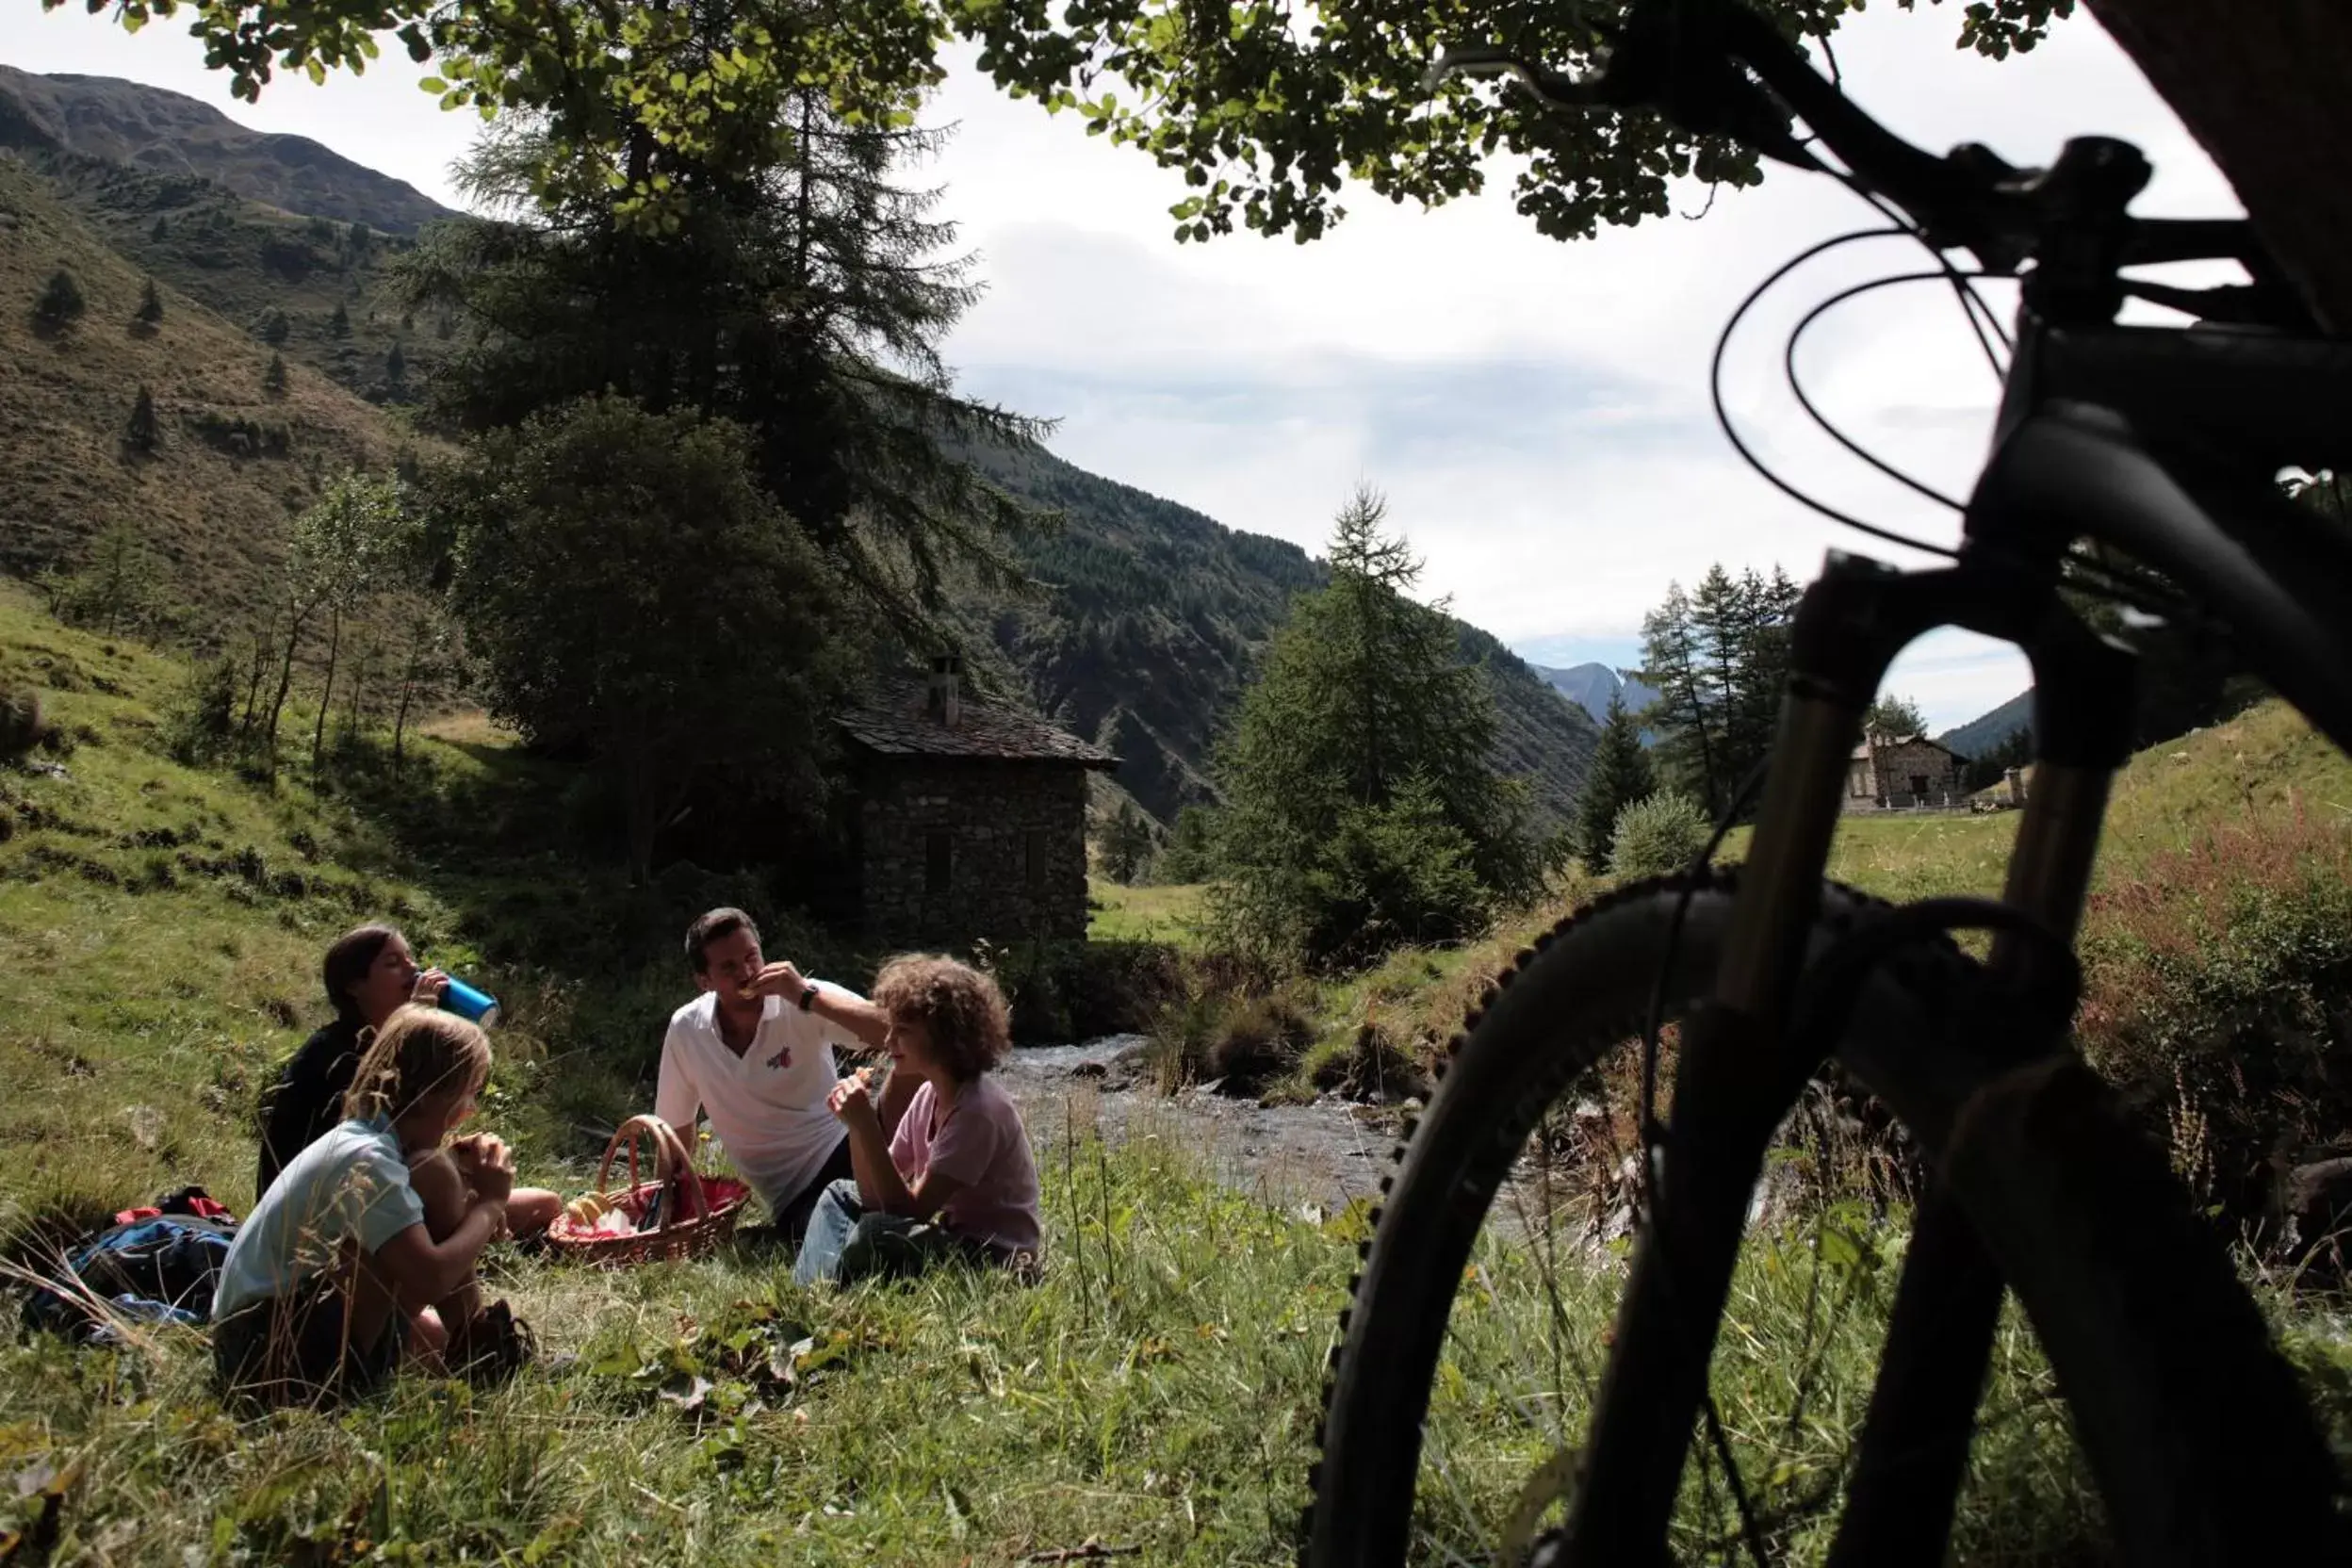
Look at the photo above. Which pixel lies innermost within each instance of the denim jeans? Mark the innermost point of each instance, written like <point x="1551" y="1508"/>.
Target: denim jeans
<point x="847" y="1242"/>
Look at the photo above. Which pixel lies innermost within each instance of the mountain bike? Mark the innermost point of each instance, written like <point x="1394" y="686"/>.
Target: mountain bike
<point x="2130" y="463"/>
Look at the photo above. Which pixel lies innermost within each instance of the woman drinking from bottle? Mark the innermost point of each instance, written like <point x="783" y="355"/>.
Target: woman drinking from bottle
<point x="370" y="972"/>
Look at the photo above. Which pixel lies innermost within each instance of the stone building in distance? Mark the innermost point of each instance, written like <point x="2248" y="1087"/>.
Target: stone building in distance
<point x="1893" y="772"/>
<point x="971" y="816"/>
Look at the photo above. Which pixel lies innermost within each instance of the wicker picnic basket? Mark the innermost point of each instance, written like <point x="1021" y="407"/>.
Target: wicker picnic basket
<point x="698" y="1215"/>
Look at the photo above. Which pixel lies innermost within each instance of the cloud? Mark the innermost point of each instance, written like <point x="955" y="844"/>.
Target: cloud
<point x="1536" y="413"/>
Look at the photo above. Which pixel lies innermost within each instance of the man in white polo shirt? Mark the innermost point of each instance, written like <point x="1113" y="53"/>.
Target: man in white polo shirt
<point x="755" y="1052"/>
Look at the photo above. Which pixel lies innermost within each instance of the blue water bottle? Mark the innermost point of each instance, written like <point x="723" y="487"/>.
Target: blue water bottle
<point x="467" y="1002"/>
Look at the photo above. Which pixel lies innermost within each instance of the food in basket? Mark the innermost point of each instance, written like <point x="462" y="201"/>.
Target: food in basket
<point x="585" y="1211"/>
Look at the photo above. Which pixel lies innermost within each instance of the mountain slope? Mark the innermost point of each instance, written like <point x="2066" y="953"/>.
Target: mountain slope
<point x="1147" y="632"/>
<point x="233" y="463"/>
<point x="162" y="132"/>
<point x="1981" y="735"/>
<point x="1143" y="636"/>
<point x="284" y="279"/>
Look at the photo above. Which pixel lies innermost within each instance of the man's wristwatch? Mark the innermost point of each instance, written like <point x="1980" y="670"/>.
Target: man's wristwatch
<point x="808" y="995"/>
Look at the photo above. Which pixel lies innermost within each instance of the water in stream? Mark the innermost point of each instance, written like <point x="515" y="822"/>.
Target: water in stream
<point x="1322" y="1154"/>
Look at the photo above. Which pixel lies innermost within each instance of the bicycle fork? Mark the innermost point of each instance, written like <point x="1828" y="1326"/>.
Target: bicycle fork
<point x="1739" y="1071"/>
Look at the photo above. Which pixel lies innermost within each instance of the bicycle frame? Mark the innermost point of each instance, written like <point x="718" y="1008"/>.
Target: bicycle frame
<point x="2063" y="469"/>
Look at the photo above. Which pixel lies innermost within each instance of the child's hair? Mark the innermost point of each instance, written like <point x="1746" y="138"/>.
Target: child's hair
<point x="971" y="1026"/>
<point x="418" y="1052"/>
<point x="349" y="960"/>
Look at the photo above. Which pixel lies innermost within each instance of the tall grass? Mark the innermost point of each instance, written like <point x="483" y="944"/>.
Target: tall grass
<point x="1154" y="1391"/>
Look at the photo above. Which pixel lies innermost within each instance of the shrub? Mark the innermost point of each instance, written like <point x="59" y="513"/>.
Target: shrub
<point x="1261" y="1038"/>
<point x="61" y="302"/>
<point x="21" y="724"/>
<point x="1372" y="1067"/>
<point x="1075" y="991"/>
<point x="239" y="436"/>
<point x="1661" y="834"/>
<point x="1208" y="1031"/>
<point x="144" y="434"/>
<point x="2218" y="994"/>
<point x="201" y="719"/>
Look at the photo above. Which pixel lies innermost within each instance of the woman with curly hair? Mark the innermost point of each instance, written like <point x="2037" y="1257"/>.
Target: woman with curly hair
<point x="955" y="1179"/>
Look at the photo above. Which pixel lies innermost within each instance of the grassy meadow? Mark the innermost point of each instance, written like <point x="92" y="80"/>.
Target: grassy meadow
<point x="159" y="928"/>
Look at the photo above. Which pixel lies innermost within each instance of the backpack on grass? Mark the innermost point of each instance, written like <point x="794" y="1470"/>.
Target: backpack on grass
<point x="158" y="1269"/>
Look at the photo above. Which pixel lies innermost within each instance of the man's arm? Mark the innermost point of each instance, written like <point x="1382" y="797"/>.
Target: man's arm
<point x="853" y="1012"/>
<point x="674" y="1099"/>
<point x="843" y="1008"/>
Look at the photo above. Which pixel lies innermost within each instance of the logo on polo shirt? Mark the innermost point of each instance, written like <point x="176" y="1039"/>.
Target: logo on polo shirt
<point x="781" y="1060"/>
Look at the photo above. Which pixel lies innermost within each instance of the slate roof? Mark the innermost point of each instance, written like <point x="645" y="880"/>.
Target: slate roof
<point x="1869" y="742"/>
<point x="894" y="723"/>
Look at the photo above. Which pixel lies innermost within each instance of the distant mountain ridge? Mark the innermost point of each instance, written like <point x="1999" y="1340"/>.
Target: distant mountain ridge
<point x="1593" y="687"/>
<point x="163" y="132"/>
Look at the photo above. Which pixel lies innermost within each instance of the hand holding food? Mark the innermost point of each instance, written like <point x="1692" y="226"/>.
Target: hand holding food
<point x="493" y="1170"/>
<point x="783" y="978"/>
<point x="850" y="1098"/>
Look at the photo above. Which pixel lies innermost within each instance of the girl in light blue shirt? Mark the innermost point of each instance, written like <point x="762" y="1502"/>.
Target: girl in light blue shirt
<point x="336" y="1274"/>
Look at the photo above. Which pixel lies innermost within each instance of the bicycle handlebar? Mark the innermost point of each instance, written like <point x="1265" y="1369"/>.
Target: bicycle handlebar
<point x="1717" y="68"/>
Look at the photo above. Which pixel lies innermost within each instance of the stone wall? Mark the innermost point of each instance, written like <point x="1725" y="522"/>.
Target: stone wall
<point x="1013" y="836"/>
<point x="1898" y="767"/>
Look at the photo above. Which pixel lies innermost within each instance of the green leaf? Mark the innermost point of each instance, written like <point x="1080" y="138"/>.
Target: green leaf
<point x="1838" y="1250"/>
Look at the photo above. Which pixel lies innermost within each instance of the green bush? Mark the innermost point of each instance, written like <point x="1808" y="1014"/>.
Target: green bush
<point x="1076" y="990"/>
<point x="1661" y="834"/>
<point x="1243" y="1038"/>
<point x="201" y="720"/>
<point x="1386" y="877"/>
<point x="2218" y="993"/>
<point x="22" y="726"/>
<point x="61" y="302"/>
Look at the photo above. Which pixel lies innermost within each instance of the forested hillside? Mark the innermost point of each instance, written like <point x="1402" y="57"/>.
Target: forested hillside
<point x="1150" y="615"/>
<point x="1140" y="631"/>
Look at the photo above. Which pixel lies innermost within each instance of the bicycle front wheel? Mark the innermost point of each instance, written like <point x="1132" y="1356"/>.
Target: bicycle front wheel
<point x="2188" y="1426"/>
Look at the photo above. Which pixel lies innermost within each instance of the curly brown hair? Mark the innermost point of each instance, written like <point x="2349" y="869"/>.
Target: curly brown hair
<point x="419" y="1051"/>
<point x="971" y="1026"/>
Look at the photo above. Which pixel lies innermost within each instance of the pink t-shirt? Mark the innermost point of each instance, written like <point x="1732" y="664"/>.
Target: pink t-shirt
<point x="983" y="1146"/>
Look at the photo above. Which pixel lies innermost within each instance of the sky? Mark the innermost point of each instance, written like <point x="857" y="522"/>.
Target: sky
<point x="1536" y="413"/>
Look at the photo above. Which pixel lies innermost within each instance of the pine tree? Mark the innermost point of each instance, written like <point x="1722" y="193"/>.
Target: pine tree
<point x="1360" y="810"/>
<point x="1897" y="716"/>
<point x="1619" y="776"/>
<point x="340" y="323"/>
<point x="162" y="230"/>
<point x="1190" y="853"/>
<point x="804" y="294"/>
<point x="144" y="433"/>
<point x="1689" y="729"/>
<point x="273" y="379"/>
<point x="275" y="327"/>
<point x="1720" y="662"/>
<point x="1126" y="845"/>
<point x="60" y="301"/>
<point x="150" y="304"/>
<point x="394" y="366"/>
